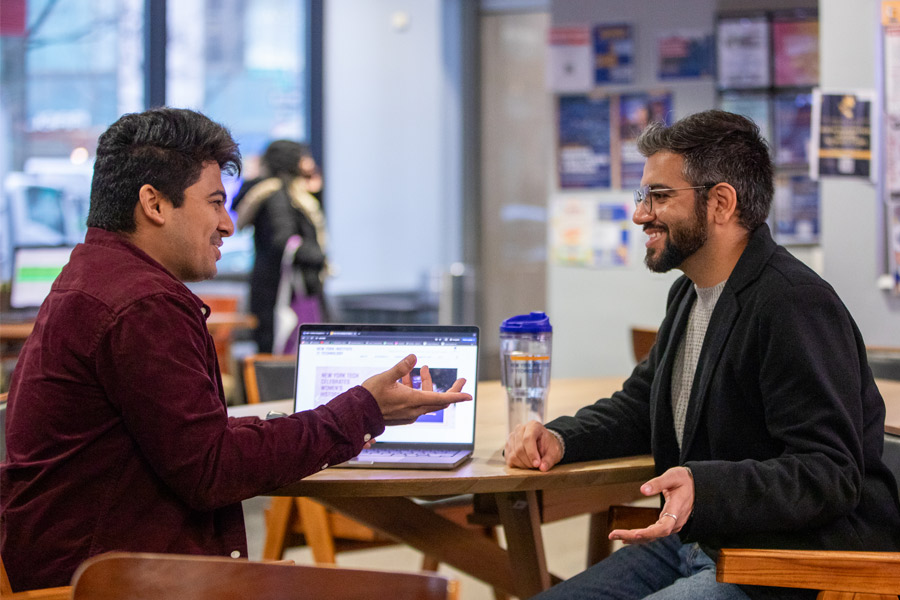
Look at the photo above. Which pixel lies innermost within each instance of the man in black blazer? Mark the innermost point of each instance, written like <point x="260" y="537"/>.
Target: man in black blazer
<point x="756" y="401"/>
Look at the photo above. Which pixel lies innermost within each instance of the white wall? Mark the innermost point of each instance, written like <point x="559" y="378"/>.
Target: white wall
<point x="592" y="310"/>
<point x="851" y="252"/>
<point x="392" y="141"/>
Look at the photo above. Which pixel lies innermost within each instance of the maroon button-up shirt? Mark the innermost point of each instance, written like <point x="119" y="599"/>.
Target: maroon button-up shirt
<point x="117" y="435"/>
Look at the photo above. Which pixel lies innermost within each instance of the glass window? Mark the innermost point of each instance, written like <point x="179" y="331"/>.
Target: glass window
<point x="243" y="64"/>
<point x="69" y="69"/>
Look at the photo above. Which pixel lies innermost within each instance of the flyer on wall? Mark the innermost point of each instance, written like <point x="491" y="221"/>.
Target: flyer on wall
<point x="636" y="111"/>
<point x="841" y="136"/>
<point x="609" y="239"/>
<point x="743" y="52"/>
<point x="570" y="237"/>
<point x="793" y="122"/>
<point x="569" y="68"/>
<point x="686" y="55"/>
<point x="753" y="105"/>
<point x="583" y="153"/>
<point x="795" y="42"/>
<point x="795" y="210"/>
<point x="614" y="53"/>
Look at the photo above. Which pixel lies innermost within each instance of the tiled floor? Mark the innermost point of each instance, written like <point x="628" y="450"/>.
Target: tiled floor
<point x="565" y="544"/>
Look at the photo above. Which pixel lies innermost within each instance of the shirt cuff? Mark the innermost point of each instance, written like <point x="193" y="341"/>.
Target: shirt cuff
<point x="559" y="438"/>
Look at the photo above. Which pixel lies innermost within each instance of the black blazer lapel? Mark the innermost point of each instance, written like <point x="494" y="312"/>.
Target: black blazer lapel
<point x="717" y="334"/>
<point x="665" y="444"/>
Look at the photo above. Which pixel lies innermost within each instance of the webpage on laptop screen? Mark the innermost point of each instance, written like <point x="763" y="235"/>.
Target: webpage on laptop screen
<point x="334" y="361"/>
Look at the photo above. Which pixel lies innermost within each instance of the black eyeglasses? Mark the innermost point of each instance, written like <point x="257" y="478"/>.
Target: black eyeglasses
<point x="643" y="196"/>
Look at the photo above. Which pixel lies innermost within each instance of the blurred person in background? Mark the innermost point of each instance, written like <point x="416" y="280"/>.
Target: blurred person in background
<point x="286" y="285"/>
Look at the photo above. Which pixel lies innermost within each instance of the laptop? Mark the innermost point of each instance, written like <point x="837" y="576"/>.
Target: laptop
<point x="35" y="268"/>
<point x="333" y="358"/>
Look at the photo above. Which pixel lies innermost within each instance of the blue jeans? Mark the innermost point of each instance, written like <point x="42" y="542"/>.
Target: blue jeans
<point x="664" y="569"/>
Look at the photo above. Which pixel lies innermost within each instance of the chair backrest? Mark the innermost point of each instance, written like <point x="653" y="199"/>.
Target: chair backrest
<point x="139" y="576"/>
<point x="3" y="426"/>
<point x="891" y="455"/>
<point x="884" y="362"/>
<point x="642" y="341"/>
<point x="269" y="377"/>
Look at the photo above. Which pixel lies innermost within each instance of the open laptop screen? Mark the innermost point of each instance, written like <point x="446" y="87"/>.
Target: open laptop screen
<point x="34" y="271"/>
<point x="333" y="358"/>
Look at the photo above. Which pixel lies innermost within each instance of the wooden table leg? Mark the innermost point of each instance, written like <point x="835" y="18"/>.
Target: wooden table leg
<point x="521" y="520"/>
<point x="419" y="527"/>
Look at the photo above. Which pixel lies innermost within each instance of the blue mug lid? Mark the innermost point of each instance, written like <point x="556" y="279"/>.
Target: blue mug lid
<point x="535" y="322"/>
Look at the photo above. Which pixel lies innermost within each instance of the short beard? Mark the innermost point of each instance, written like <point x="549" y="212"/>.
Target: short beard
<point x="681" y="242"/>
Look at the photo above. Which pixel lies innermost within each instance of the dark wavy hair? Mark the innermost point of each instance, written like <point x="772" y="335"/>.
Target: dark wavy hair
<point x="717" y="147"/>
<point x="162" y="147"/>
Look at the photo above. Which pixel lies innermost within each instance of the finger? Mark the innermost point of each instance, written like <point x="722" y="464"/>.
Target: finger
<point x="401" y="369"/>
<point x="658" y="530"/>
<point x="457" y="385"/>
<point x="531" y="436"/>
<point x="407" y="380"/>
<point x="425" y="374"/>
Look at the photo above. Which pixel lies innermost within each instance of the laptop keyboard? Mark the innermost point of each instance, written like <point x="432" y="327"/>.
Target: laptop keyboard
<point x="387" y="453"/>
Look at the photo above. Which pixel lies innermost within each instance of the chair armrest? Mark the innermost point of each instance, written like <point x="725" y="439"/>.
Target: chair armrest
<point x="865" y="572"/>
<point x="57" y="593"/>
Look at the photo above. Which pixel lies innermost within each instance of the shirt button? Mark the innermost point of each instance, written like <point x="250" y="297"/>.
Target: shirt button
<point x="325" y="466"/>
<point x="236" y="554"/>
<point x="367" y="437"/>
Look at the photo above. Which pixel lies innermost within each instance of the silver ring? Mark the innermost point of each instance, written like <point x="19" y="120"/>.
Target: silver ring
<point x="665" y="514"/>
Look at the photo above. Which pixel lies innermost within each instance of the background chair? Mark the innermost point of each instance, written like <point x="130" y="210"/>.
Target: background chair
<point x="269" y="377"/>
<point x="642" y="341"/>
<point x="884" y="362"/>
<point x="136" y="576"/>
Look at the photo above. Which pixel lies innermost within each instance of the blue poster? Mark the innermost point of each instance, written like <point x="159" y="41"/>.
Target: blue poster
<point x="636" y="111"/>
<point x="614" y="53"/>
<point x="583" y="156"/>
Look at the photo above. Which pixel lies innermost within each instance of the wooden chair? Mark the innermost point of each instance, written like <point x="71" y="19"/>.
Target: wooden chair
<point x="269" y="377"/>
<point x="57" y="593"/>
<point x="297" y="521"/>
<point x="223" y="335"/>
<point x="642" y="341"/>
<point x="138" y="576"/>
<point x="884" y="362"/>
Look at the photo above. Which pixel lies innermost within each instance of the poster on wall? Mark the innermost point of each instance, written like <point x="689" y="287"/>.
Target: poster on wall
<point x="754" y="106"/>
<point x="795" y="210"/>
<point x="583" y="150"/>
<point x="686" y="55"/>
<point x="609" y="239"/>
<point x="587" y="233"/>
<point x="636" y="111"/>
<point x="569" y="68"/>
<point x="613" y="54"/>
<point x="570" y="236"/>
<point x="895" y="245"/>
<point x="743" y="51"/>
<point x="792" y="132"/>
<point x="842" y="126"/>
<point x="795" y="43"/>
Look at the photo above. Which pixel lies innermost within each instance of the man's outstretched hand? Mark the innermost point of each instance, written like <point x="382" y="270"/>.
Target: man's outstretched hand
<point x="400" y="404"/>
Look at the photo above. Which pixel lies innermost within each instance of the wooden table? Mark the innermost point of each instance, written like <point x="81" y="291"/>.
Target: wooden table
<point x="217" y="324"/>
<point x="524" y="498"/>
<point x="890" y="391"/>
<point x="380" y="498"/>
